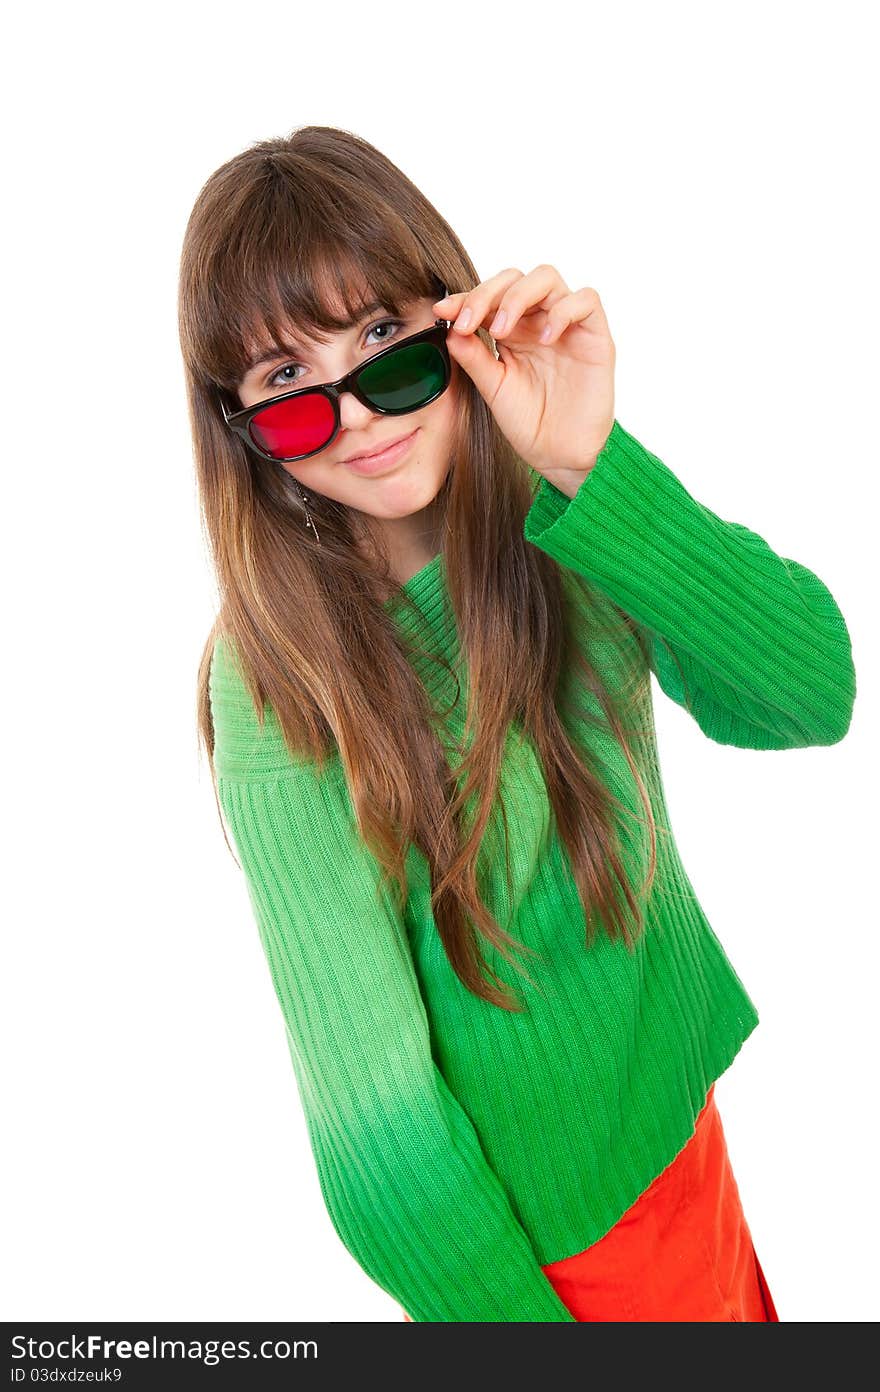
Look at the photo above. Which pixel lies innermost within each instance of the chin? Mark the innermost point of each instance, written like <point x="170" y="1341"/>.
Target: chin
<point x="416" y="474"/>
<point x="400" y="496"/>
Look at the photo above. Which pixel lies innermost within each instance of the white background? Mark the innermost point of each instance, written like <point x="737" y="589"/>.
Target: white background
<point x="711" y="171"/>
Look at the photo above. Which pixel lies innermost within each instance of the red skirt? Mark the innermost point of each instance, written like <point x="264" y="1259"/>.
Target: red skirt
<point x="682" y="1252"/>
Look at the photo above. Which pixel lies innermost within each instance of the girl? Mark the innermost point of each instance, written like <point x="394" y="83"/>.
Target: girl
<point x="446" y="573"/>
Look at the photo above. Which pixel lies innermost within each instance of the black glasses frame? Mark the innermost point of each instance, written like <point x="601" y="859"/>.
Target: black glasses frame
<point x="240" y="421"/>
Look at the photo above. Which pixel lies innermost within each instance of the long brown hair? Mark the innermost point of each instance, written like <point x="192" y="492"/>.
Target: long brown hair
<point x="274" y="232"/>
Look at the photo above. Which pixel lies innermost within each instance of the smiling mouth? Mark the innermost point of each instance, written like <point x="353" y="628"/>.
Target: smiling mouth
<point x="374" y="454"/>
<point x="385" y="459"/>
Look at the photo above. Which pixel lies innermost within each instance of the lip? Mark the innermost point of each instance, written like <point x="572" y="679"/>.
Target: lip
<point x="375" y="463"/>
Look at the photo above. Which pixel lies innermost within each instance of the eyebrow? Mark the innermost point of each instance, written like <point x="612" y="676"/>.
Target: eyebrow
<point x="281" y="350"/>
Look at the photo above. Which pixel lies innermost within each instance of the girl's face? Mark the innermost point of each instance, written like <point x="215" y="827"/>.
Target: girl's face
<point x="400" y="488"/>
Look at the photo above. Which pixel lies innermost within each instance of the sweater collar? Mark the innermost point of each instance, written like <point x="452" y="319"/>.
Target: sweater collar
<point x="431" y="623"/>
<point x="427" y="589"/>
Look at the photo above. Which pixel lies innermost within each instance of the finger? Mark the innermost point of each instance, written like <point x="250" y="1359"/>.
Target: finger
<point x="478" y="361"/>
<point x="582" y="307"/>
<point x="450" y="302"/>
<point x="476" y="305"/>
<point x="536" y="292"/>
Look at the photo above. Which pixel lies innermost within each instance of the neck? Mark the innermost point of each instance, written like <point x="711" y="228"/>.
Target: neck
<point x="409" y="543"/>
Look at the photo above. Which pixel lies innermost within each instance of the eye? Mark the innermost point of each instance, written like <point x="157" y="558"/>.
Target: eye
<point x="280" y="379"/>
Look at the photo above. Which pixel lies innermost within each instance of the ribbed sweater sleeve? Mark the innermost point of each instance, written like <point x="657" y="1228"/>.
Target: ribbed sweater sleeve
<point x="763" y="650"/>
<point x="403" y="1175"/>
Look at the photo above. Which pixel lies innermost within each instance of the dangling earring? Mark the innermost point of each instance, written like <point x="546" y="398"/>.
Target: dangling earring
<point x="305" y="500"/>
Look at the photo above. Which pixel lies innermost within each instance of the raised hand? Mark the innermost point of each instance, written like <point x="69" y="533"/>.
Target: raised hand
<point x="551" y="389"/>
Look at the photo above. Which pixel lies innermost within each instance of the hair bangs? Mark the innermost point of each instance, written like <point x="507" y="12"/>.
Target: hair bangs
<point x="291" y="266"/>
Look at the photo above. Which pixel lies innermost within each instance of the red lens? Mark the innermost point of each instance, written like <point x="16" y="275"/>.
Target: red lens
<point x="298" y="426"/>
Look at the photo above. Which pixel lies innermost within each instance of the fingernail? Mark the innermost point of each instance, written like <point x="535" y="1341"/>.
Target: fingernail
<point x="463" y="319"/>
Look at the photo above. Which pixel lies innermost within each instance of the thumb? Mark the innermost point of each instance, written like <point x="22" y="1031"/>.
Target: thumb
<point x="478" y="361"/>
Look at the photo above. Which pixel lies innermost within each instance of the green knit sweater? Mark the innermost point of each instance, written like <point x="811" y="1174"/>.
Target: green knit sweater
<point x="460" y="1146"/>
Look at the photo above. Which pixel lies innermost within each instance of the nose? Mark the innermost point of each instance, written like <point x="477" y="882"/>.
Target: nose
<point x="353" y="414"/>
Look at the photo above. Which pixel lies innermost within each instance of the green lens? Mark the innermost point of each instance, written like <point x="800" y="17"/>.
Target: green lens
<point x="406" y="379"/>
